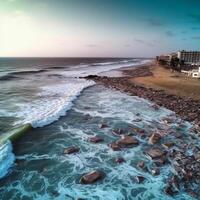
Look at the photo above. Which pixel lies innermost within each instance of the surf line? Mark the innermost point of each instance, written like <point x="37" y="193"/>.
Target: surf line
<point x="15" y="133"/>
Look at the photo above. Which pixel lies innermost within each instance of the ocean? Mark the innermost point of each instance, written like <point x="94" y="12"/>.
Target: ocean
<point x="65" y="110"/>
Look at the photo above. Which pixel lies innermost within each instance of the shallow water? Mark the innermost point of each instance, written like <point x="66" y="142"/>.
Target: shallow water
<point x="42" y="171"/>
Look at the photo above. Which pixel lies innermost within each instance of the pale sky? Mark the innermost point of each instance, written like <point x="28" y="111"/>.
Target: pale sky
<point x="98" y="28"/>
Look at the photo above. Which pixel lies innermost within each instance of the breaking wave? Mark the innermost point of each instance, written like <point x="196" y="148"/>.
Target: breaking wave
<point x="53" y="103"/>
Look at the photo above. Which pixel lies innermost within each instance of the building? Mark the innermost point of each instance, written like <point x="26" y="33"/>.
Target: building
<point x="189" y="57"/>
<point x="195" y="73"/>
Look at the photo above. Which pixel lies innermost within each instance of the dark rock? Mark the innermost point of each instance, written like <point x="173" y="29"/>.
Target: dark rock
<point x="168" y="145"/>
<point x="197" y="156"/>
<point x="91" y="77"/>
<point x="155" y="171"/>
<point x="177" y="135"/>
<point x="192" y="193"/>
<point x="175" y="182"/>
<point x="155" y="138"/>
<point x="127" y="141"/>
<point x="71" y="150"/>
<point x="155" y="153"/>
<point x="120" y="160"/>
<point x="139" y="179"/>
<point x="115" y="146"/>
<point x="169" y="190"/>
<point x="103" y="125"/>
<point x="96" y="139"/>
<point x="137" y="120"/>
<point x="91" y="177"/>
<point x="155" y="106"/>
<point x="118" y="132"/>
<point x="87" y="117"/>
<point x="141" y="165"/>
<point x="159" y="162"/>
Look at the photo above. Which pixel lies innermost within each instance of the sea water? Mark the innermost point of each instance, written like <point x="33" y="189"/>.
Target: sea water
<point x="66" y="111"/>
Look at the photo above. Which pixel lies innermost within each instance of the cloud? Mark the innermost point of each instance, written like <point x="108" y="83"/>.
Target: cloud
<point x="196" y="38"/>
<point x="145" y="42"/>
<point x="170" y="33"/>
<point x="154" y="22"/>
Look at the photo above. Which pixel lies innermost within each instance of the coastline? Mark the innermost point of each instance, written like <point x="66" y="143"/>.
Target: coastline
<point x="185" y="107"/>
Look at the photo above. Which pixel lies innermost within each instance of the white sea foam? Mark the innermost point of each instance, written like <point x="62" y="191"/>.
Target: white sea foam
<point x="53" y="102"/>
<point x="100" y="68"/>
<point x="7" y="158"/>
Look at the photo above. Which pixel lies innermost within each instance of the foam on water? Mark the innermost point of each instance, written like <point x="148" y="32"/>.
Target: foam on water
<point x="100" y="68"/>
<point x="59" y="176"/>
<point x="7" y="158"/>
<point x="54" y="99"/>
<point x="52" y="103"/>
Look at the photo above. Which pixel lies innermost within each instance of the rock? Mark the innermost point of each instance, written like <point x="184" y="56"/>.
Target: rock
<point x="137" y="120"/>
<point x="175" y="182"/>
<point x="155" y="106"/>
<point x="96" y="139"/>
<point x="91" y="77"/>
<point x="87" y="117"/>
<point x="115" y="146"/>
<point x="177" y="135"/>
<point x="155" y="153"/>
<point x="139" y="179"/>
<point x="127" y="141"/>
<point x="120" y="160"/>
<point x="155" y="171"/>
<point x="71" y="150"/>
<point x="141" y="165"/>
<point x="159" y="162"/>
<point x="197" y="156"/>
<point x="168" y="145"/>
<point x="155" y="138"/>
<point x="169" y="190"/>
<point x="103" y="125"/>
<point x="118" y="132"/>
<point x="192" y="193"/>
<point x="91" y="177"/>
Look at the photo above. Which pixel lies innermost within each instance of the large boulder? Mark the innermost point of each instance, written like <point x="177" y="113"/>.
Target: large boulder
<point x="96" y="139"/>
<point x="155" y="153"/>
<point x="92" y="177"/>
<point x="71" y="150"/>
<point x="127" y="141"/>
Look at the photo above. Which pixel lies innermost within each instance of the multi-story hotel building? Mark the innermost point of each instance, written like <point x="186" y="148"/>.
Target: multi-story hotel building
<point x="189" y="57"/>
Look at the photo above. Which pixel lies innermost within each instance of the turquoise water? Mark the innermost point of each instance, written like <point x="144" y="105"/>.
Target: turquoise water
<point x="42" y="171"/>
<point x="34" y="167"/>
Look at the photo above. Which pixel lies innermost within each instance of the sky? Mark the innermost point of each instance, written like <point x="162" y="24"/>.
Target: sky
<point x="98" y="28"/>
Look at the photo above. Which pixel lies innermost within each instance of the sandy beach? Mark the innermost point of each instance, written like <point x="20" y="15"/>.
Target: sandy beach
<point x="171" y="82"/>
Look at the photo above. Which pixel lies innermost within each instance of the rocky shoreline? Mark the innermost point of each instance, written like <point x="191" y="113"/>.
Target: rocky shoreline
<point x="187" y="108"/>
<point x="180" y="151"/>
